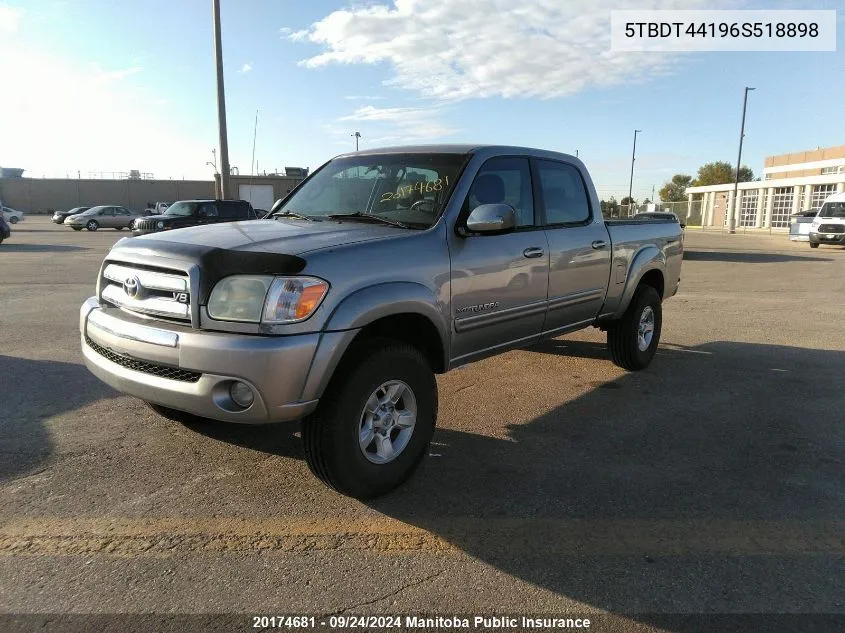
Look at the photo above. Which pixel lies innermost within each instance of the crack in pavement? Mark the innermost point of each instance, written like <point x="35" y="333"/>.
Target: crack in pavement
<point x="395" y="592"/>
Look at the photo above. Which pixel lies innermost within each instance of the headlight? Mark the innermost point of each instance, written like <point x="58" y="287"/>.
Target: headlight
<point x="159" y="224"/>
<point x="293" y="299"/>
<point x="256" y="298"/>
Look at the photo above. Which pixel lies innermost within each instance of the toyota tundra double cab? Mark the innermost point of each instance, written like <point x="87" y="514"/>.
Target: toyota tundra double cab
<point x="380" y="270"/>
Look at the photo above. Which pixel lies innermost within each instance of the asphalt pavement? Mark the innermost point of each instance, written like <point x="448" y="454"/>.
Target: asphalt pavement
<point x="712" y="482"/>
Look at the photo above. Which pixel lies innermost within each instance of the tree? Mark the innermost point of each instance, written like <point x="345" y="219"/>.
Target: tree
<point x="675" y="189"/>
<point x="720" y="173"/>
<point x="609" y="208"/>
<point x="626" y="201"/>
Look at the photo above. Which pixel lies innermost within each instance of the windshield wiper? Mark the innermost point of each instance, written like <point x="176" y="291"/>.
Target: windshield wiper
<point x="291" y="214"/>
<point x="368" y="217"/>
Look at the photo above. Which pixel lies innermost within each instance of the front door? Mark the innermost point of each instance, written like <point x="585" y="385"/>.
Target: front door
<point x="499" y="282"/>
<point x="579" y="244"/>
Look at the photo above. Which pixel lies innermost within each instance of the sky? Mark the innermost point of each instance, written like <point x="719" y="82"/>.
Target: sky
<point x="104" y="86"/>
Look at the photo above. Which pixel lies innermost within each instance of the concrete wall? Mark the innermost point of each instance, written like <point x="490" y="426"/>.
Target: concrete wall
<point x="42" y="195"/>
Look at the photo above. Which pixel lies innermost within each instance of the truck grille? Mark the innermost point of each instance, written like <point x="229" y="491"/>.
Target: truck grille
<point x="143" y="224"/>
<point x="154" y="369"/>
<point x="147" y="290"/>
<point x="832" y="228"/>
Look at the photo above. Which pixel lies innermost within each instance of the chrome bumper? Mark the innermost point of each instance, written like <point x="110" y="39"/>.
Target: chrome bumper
<point x="276" y="368"/>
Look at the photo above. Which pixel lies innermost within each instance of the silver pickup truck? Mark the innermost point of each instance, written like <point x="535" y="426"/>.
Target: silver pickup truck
<point x="380" y="270"/>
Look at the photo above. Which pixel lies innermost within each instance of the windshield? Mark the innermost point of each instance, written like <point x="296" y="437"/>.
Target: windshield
<point x="182" y="209"/>
<point x="409" y="188"/>
<point x="832" y="210"/>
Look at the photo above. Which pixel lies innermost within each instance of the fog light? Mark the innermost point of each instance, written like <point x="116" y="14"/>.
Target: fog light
<point x="241" y="394"/>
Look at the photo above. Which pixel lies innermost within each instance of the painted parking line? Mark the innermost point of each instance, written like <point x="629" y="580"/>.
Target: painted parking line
<point x="42" y="536"/>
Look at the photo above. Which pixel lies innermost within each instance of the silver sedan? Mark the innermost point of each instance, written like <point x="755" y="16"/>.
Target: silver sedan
<point x="110" y="217"/>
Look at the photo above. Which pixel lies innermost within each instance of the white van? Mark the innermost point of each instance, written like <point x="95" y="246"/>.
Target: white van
<point x="829" y="224"/>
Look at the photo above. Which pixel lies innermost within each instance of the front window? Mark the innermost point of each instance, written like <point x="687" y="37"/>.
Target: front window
<point x="833" y="210"/>
<point x="182" y="209"/>
<point x="411" y="189"/>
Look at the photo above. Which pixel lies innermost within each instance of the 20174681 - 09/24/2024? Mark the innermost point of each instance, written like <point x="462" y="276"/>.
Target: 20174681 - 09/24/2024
<point x="421" y="622"/>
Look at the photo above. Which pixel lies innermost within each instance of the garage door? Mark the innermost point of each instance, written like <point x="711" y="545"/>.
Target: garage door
<point x="259" y="196"/>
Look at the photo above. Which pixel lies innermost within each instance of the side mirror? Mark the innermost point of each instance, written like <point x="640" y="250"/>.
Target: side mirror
<point x="491" y="218"/>
<point x="276" y="206"/>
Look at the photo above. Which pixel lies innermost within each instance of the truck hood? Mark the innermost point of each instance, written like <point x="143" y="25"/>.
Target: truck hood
<point x="289" y="237"/>
<point x="252" y="247"/>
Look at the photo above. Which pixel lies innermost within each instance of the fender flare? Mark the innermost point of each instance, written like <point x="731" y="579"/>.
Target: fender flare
<point x="358" y="310"/>
<point x="646" y="259"/>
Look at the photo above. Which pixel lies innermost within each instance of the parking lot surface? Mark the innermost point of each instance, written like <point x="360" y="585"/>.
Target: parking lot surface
<point x="712" y="482"/>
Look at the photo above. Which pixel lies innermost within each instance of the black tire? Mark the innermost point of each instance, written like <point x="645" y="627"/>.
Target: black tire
<point x="13" y="219"/>
<point x="92" y="225"/>
<point x="330" y="434"/>
<point x="622" y="334"/>
<point x="76" y="228"/>
<point x="812" y="245"/>
<point x="1" y="239"/>
<point x="118" y="228"/>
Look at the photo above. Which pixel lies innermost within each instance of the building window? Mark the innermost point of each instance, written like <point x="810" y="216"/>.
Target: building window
<point x="820" y="193"/>
<point x="826" y="171"/>
<point x="782" y="207"/>
<point x="768" y="176"/>
<point x="748" y="207"/>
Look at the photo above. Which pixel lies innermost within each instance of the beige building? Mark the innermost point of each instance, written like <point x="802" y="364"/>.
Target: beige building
<point x="792" y="183"/>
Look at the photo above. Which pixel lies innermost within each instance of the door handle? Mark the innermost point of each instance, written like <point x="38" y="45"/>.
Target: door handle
<point x="599" y="244"/>
<point x="534" y="251"/>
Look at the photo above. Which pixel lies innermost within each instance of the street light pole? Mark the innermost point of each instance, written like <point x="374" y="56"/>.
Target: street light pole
<point x="732" y="210"/>
<point x="357" y="135"/>
<point x="631" y="184"/>
<point x="221" y="103"/>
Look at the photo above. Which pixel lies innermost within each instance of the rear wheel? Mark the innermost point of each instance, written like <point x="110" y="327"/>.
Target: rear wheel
<point x="118" y="228"/>
<point x="375" y="421"/>
<point x="814" y="245"/>
<point x="76" y="228"/>
<point x="633" y="339"/>
<point x="92" y="225"/>
<point x="13" y="219"/>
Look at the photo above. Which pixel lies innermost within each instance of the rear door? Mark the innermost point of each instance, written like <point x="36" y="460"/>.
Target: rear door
<point x="122" y="217"/>
<point x="579" y="245"/>
<point x="107" y="218"/>
<point x="499" y="282"/>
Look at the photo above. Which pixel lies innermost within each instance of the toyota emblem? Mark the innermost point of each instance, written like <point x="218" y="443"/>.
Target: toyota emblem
<point x="132" y="286"/>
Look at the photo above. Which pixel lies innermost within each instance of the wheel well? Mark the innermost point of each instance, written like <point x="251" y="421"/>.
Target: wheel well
<point x="653" y="278"/>
<point x="410" y="328"/>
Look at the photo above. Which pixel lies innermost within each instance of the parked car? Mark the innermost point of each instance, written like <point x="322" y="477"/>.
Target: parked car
<point x="340" y="308"/>
<point x="157" y="208"/>
<point x="59" y="217"/>
<point x="106" y="216"/>
<point x="658" y="215"/>
<point x="11" y="216"/>
<point x="829" y="224"/>
<point x="5" y="230"/>
<point x="195" y="213"/>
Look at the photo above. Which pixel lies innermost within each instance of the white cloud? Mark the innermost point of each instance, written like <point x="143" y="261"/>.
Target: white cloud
<point x="487" y="48"/>
<point x="10" y="19"/>
<point x="285" y="31"/>
<point x="245" y="68"/>
<point x="381" y="126"/>
<point x="363" y="98"/>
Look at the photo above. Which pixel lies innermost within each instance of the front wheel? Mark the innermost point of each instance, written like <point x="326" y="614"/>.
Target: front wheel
<point x="375" y="421"/>
<point x="633" y="339"/>
<point x="76" y="228"/>
<point x="814" y="245"/>
<point x="13" y="219"/>
<point x="92" y="225"/>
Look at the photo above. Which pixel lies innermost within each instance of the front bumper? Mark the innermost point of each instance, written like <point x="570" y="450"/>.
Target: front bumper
<point x="191" y="370"/>
<point x="827" y="238"/>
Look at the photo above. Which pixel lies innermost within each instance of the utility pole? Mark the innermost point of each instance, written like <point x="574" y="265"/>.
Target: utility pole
<point x="254" y="134"/>
<point x="357" y="135"/>
<point x="732" y="210"/>
<point x="631" y="185"/>
<point x="221" y="103"/>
